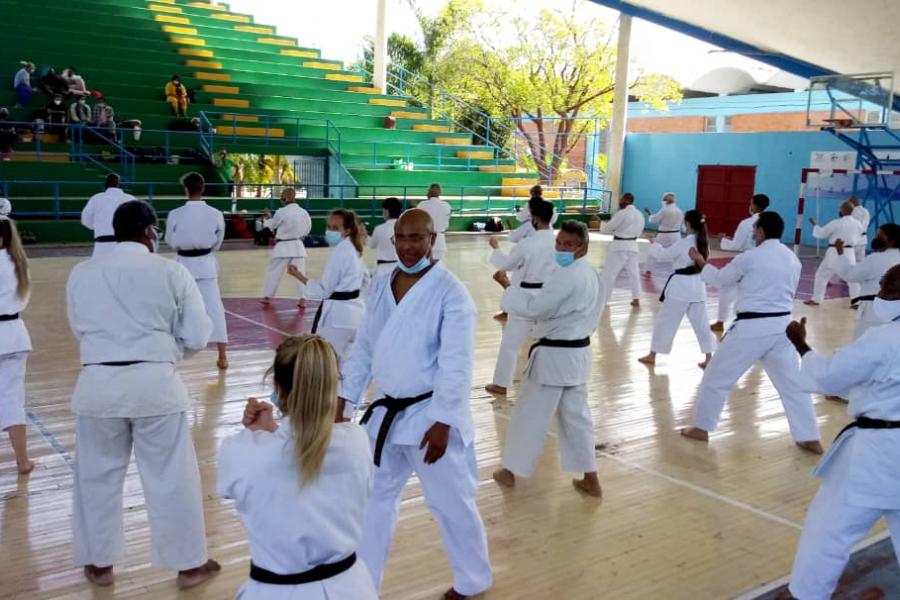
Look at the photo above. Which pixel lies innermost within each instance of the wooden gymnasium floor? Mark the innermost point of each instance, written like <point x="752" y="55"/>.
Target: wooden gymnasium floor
<point x="678" y="519"/>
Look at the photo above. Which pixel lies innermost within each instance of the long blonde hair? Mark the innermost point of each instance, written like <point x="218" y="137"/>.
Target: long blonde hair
<point x="306" y="379"/>
<point x="10" y="240"/>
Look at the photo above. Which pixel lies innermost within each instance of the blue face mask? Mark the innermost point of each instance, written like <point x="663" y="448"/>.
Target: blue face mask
<point x="420" y="266"/>
<point x="564" y="259"/>
<point x="274" y="401"/>
<point x="333" y="238"/>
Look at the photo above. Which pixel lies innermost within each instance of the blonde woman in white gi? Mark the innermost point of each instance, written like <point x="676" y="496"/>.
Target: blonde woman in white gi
<point x="15" y="344"/>
<point x="684" y="292"/>
<point x="300" y="483"/>
<point x="382" y="238"/>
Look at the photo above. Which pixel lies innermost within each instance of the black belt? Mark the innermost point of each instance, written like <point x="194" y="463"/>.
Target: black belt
<point x="317" y="573"/>
<point x="668" y="231"/>
<point x="760" y="315"/>
<point x="866" y="298"/>
<point x="833" y="246"/>
<point x="528" y="285"/>
<point x="623" y="239"/>
<point x="581" y="343"/>
<point x="120" y="363"/>
<point x="386" y="262"/>
<point x="105" y="238"/>
<point x="9" y="317"/>
<point x="287" y="240"/>
<point x="195" y="252"/>
<point x="867" y="423"/>
<point x="692" y="270"/>
<point x="334" y="296"/>
<point x="394" y="407"/>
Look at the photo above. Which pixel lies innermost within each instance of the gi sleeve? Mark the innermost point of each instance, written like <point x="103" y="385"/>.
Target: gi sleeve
<point x="852" y="365"/>
<point x="455" y="359"/>
<point x="87" y="215"/>
<point x="508" y="262"/>
<point x="306" y="224"/>
<point x="193" y="327"/>
<point x="540" y="306"/>
<point x="220" y="230"/>
<point x="730" y="274"/>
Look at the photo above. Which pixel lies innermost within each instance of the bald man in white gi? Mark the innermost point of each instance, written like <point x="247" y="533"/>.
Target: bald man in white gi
<point x="196" y="231"/>
<point x="291" y="223"/>
<point x="766" y="279"/>
<point x="622" y="253"/>
<point x="861" y="214"/>
<point x="417" y="342"/>
<point x="97" y="214"/>
<point x="669" y="219"/>
<point x="135" y="315"/>
<point x="845" y="228"/>
<point x="860" y="478"/>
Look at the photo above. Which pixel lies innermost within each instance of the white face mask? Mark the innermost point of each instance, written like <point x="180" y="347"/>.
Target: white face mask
<point x="886" y="310"/>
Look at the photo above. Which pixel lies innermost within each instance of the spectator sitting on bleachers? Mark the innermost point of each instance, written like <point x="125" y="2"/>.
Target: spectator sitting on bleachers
<point x="80" y="112"/>
<point x="7" y="134"/>
<point x="176" y="96"/>
<point x="51" y="83"/>
<point x="22" y="83"/>
<point x="104" y="117"/>
<point x="76" y="84"/>
<point x="55" y="117"/>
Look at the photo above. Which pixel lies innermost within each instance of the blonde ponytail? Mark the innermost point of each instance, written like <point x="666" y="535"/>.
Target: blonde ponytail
<point x="10" y="240"/>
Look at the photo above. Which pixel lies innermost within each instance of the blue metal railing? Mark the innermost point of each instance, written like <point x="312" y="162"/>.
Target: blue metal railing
<point x="273" y="129"/>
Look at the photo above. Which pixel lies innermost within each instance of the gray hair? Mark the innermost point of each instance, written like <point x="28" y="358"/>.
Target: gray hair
<point x="576" y="228"/>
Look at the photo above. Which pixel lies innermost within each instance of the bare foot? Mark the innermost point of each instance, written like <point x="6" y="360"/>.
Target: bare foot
<point x="501" y="316"/>
<point x="194" y="577"/>
<point x="718" y="326"/>
<point x="25" y="467"/>
<point x="837" y="399"/>
<point x="590" y="485"/>
<point x="705" y="362"/>
<point x="496" y="390"/>
<point x="695" y="433"/>
<point x="810" y="302"/>
<point x="635" y="302"/>
<point x="813" y="446"/>
<point x="505" y="478"/>
<point x="650" y="359"/>
<point x="854" y="307"/>
<point x="102" y="576"/>
<point x="452" y="594"/>
<point x="222" y="364"/>
<point x="265" y="301"/>
<point x="301" y="303"/>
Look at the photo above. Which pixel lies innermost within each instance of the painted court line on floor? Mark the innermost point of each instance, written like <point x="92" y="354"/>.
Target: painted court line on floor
<point x="263" y="325"/>
<point x="50" y="439"/>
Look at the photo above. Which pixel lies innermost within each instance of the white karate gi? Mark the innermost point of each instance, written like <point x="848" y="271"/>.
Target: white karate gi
<point x="532" y="260"/>
<point x="97" y="215"/>
<point x="568" y="307"/>
<point x="15" y="344"/>
<point x="293" y="528"/>
<point x="861" y="214"/>
<point x="860" y="479"/>
<point x="742" y="241"/>
<point x="5" y="207"/>
<point x="344" y="271"/>
<point x="135" y="306"/>
<point x="766" y="278"/>
<point x="382" y="241"/>
<point x="847" y="229"/>
<point x="628" y="222"/>
<point x="867" y="275"/>
<point x="199" y="226"/>
<point x="424" y="343"/>
<point x="669" y="219"/>
<point x="440" y="215"/>
<point x="292" y="223"/>
<point x="685" y="295"/>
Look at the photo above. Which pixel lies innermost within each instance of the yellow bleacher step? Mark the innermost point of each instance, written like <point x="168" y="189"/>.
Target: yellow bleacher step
<point x="452" y="141"/>
<point x="232" y="18"/>
<point x="254" y="131"/>
<point x="188" y="41"/>
<point x="231" y="102"/>
<point x="344" y="77"/>
<point x="363" y="90"/>
<point x="478" y="154"/>
<point x="57" y="157"/>
<point x="255" y="29"/>
<point x="298" y="53"/>
<point x="240" y="118"/>
<point x="179" y="30"/>
<point x="386" y="102"/>
<point x="498" y="168"/>
<point x="195" y="52"/>
<point x="516" y="186"/>
<point x="166" y="1"/>
<point x="204" y="64"/>
<point x="431" y="128"/>
<point x="171" y="19"/>
<point x="204" y="76"/>
<point x="163" y="8"/>
<point x="404" y="114"/>
<point x="312" y="64"/>
<point x="206" y="5"/>
<point x="276" y="41"/>
<point x="222" y="89"/>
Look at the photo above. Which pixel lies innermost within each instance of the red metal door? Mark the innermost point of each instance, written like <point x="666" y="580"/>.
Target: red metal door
<point x="723" y="195"/>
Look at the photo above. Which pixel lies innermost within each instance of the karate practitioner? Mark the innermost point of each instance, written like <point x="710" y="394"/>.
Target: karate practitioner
<point x="343" y="282"/>
<point x="741" y="242"/>
<point x="622" y="253"/>
<point x="845" y="228"/>
<point x="868" y="272"/>
<point x="15" y="344"/>
<point x="195" y="231"/>
<point x="861" y="214"/>
<point x="439" y="210"/>
<point x="382" y="238"/>
<point x="97" y="215"/>
<point x="684" y="292"/>
<point x="135" y="314"/>
<point x="766" y="278"/>
<point x="417" y="343"/>
<point x="523" y="216"/>
<point x="567" y="310"/>
<point x="532" y="261"/>
<point x="5" y="207"/>
<point x="300" y="484"/>
<point x="669" y="219"/>
<point x="291" y="223"/>
<point x="860" y="479"/>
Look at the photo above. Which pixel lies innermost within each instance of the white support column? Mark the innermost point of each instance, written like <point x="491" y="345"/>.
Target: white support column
<point x="379" y="71"/>
<point x="616" y="149"/>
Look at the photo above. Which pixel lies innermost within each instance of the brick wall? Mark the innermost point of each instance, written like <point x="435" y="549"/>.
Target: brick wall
<point x="666" y="125"/>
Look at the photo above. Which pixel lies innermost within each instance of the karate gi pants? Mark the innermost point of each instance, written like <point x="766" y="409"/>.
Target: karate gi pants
<point x="277" y="269"/>
<point x="530" y="424"/>
<point x="859" y="250"/>
<point x="832" y="528"/>
<point x="736" y="354"/>
<point x="515" y="333"/>
<point x="727" y="298"/>
<point x="451" y="488"/>
<point x="616" y="261"/>
<point x="669" y="319"/>
<point x="12" y="389"/>
<point x="170" y="477"/>
<point x="353" y="584"/>
<point x="212" y="300"/>
<point x="827" y="270"/>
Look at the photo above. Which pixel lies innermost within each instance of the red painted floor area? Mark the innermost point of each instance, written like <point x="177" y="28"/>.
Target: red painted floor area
<point x="254" y="326"/>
